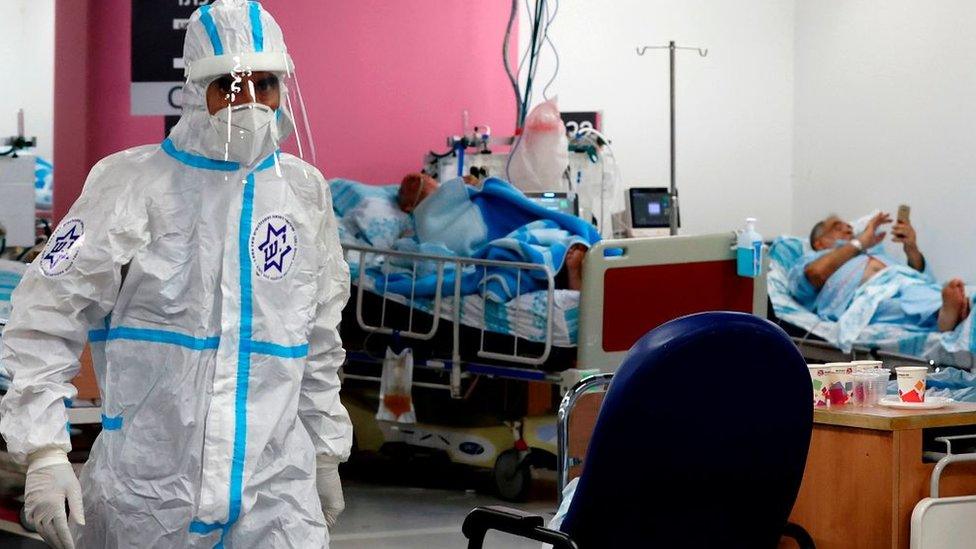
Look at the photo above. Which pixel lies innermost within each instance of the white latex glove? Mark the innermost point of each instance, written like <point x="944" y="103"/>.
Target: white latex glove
<point x="329" y="488"/>
<point x="50" y="481"/>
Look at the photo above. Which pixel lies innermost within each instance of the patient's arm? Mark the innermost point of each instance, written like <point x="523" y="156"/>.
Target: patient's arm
<point x="915" y="259"/>
<point x="904" y="232"/>
<point x="820" y="270"/>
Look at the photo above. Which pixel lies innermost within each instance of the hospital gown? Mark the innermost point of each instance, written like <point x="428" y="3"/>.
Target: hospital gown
<point x="912" y="298"/>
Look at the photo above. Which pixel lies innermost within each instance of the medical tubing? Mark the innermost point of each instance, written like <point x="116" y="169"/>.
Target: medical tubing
<point x="508" y="68"/>
<point x="521" y="113"/>
<point x="533" y="59"/>
<point x="803" y="340"/>
<point x="545" y="91"/>
<point x="528" y="47"/>
<point x="521" y="64"/>
<point x="511" y="154"/>
<point x="541" y="42"/>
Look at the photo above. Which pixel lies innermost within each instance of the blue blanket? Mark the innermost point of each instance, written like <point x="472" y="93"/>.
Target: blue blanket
<point x="950" y="382"/>
<point x="10" y="273"/>
<point x="883" y="313"/>
<point x="494" y="222"/>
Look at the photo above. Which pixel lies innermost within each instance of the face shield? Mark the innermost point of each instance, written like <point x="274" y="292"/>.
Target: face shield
<point x="254" y="105"/>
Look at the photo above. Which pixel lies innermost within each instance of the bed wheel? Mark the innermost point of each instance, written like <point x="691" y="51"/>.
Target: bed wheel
<point x="512" y="476"/>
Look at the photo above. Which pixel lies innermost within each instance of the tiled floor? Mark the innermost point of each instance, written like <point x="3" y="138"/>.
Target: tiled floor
<point x="422" y="504"/>
<point x="379" y="517"/>
<point x="407" y="506"/>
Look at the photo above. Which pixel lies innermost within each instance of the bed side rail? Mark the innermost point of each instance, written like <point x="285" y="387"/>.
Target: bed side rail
<point x="355" y="253"/>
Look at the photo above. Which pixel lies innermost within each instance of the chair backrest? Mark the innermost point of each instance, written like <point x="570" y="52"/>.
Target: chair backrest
<point x="701" y="440"/>
<point x="944" y="523"/>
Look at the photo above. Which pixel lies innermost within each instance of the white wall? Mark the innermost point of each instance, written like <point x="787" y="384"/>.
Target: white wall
<point x="735" y="107"/>
<point x="27" y="61"/>
<point x="886" y="114"/>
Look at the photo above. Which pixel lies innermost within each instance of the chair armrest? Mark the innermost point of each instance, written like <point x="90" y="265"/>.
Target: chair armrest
<point x="512" y="521"/>
<point x="802" y="537"/>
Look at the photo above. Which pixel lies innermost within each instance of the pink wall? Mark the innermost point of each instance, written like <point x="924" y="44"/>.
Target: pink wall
<point x="111" y="127"/>
<point x="384" y="82"/>
<point x="70" y="113"/>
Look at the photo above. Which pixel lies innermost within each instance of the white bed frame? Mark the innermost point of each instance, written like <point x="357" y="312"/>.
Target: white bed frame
<point x="645" y="252"/>
<point x="640" y="255"/>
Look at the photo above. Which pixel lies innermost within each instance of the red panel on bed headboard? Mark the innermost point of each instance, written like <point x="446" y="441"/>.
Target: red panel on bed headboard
<point x="637" y="299"/>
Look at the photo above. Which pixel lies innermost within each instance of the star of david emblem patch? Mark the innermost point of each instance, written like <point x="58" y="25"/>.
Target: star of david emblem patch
<point x="60" y="253"/>
<point x="274" y="246"/>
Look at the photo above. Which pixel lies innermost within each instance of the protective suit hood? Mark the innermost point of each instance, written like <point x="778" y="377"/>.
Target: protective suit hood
<point x="224" y="38"/>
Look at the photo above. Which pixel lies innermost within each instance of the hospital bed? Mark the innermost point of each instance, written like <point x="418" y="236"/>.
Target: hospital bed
<point x="815" y="349"/>
<point x="813" y="335"/>
<point x="945" y="522"/>
<point x="629" y="287"/>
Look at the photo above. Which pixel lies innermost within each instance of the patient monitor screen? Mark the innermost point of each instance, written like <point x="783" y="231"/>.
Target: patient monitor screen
<point x="556" y="201"/>
<point x="649" y="207"/>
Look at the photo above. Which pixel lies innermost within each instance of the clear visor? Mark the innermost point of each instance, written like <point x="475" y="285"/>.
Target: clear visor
<point x="257" y="112"/>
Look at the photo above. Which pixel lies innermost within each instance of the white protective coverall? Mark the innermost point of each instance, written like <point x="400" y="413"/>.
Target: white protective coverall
<point x="211" y="295"/>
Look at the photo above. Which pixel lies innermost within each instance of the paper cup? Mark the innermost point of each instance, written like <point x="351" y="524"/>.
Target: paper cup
<point x="911" y="383"/>
<point x="818" y="376"/>
<point x="840" y="380"/>
<point x="867" y="365"/>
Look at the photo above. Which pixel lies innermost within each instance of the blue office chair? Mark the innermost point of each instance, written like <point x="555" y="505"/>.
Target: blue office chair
<point x="701" y="441"/>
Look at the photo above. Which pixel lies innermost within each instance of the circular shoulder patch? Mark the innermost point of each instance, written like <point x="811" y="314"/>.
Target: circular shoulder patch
<point x="60" y="253"/>
<point x="274" y="245"/>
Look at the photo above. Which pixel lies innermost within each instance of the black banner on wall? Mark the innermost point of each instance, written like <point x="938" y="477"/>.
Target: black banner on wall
<point x="158" y="29"/>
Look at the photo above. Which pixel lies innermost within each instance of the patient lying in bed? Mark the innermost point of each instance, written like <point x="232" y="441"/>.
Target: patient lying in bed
<point x="826" y="279"/>
<point x="416" y="188"/>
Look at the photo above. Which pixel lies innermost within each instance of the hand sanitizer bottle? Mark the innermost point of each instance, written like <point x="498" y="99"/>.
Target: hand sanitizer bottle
<point x="749" y="250"/>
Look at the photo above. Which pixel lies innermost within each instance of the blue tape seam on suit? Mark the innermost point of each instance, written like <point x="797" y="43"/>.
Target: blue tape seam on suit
<point x="211" y="28"/>
<point x="243" y="373"/>
<point x="257" y="30"/>
<point x="204" y="163"/>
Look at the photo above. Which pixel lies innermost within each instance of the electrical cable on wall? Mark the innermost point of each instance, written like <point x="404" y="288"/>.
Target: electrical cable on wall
<point x="555" y="53"/>
<point x="540" y="18"/>
<point x="508" y="69"/>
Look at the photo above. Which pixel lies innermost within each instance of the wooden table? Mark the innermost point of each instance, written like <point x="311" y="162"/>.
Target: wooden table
<point x="865" y="474"/>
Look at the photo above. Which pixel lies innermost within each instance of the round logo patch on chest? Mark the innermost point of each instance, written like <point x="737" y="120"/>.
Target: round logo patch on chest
<point x="274" y="245"/>
<point x="60" y="253"/>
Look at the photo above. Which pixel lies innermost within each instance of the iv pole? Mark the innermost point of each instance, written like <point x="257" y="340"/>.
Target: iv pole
<point x="671" y="47"/>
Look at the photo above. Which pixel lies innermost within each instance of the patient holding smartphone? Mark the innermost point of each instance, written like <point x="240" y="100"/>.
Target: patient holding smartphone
<point x="844" y="267"/>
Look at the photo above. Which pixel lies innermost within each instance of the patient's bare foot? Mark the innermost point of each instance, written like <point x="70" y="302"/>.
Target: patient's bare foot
<point x="574" y="266"/>
<point x="955" y="305"/>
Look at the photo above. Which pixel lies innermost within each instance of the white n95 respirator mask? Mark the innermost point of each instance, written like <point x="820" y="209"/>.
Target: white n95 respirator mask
<point x="249" y="133"/>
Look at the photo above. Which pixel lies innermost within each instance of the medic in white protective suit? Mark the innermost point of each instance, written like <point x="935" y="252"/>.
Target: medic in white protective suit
<point x="207" y="274"/>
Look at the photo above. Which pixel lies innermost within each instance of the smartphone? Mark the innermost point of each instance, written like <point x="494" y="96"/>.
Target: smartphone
<point x="903" y="212"/>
